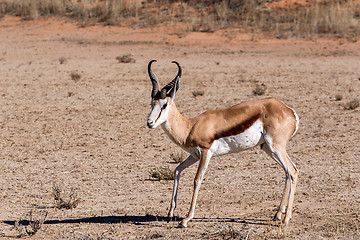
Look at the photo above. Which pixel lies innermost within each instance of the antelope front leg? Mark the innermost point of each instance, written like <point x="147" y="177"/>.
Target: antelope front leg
<point x="204" y="162"/>
<point x="187" y="163"/>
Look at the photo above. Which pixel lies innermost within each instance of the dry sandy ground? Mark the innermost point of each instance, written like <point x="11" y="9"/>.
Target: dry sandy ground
<point x="90" y="135"/>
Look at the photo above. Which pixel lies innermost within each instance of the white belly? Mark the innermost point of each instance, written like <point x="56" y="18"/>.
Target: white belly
<point x="237" y="143"/>
<point x="233" y="144"/>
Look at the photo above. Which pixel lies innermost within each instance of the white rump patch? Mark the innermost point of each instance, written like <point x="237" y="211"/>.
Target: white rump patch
<point x="296" y="119"/>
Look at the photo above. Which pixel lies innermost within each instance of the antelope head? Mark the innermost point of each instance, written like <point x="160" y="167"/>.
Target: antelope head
<point x="161" y="100"/>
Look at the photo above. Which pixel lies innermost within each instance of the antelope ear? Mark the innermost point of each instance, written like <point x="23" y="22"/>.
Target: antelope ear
<point x="175" y="83"/>
<point x="174" y="89"/>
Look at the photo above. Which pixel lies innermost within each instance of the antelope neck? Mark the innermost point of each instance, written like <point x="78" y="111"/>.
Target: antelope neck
<point x="177" y="127"/>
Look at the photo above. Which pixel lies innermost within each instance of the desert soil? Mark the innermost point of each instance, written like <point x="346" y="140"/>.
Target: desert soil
<point x="89" y="135"/>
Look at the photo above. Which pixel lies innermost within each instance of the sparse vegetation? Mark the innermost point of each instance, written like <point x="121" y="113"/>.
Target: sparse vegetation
<point x="178" y="157"/>
<point x="127" y="58"/>
<point x="75" y="76"/>
<point x="227" y="231"/>
<point x="32" y="225"/>
<point x="32" y="9"/>
<point x="62" y="60"/>
<point x="283" y="20"/>
<point x="344" y="221"/>
<point x="155" y="236"/>
<point x="163" y="173"/>
<point x="338" y="97"/>
<point x="198" y="93"/>
<point x="351" y="105"/>
<point x="70" y="94"/>
<point x="81" y="236"/>
<point x="260" y="89"/>
<point x="64" y="200"/>
<point x="278" y="231"/>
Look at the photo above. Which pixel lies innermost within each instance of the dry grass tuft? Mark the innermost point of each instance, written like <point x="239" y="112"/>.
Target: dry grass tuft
<point x="70" y="94"/>
<point x="338" y="97"/>
<point x="260" y="89"/>
<point x="353" y="104"/>
<point x="94" y="236"/>
<point x="329" y="17"/>
<point x="178" y="157"/>
<point x="33" y="226"/>
<point x="198" y="93"/>
<point x="62" y="60"/>
<point x="32" y="9"/>
<point x="344" y="222"/>
<point x="226" y="231"/>
<point x="155" y="236"/>
<point x="75" y="76"/>
<point x="62" y="201"/>
<point x="278" y="231"/>
<point x="127" y="58"/>
<point x="163" y="173"/>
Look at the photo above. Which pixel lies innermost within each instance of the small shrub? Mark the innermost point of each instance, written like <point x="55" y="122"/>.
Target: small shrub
<point x="156" y="235"/>
<point x="198" y="93"/>
<point x="163" y="173"/>
<point x="76" y="235"/>
<point x="277" y="231"/>
<point x="353" y="104"/>
<point x="75" y="76"/>
<point x="226" y="231"/>
<point x="178" y="157"/>
<point x="62" y="60"/>
<point x="33" y="226"/>
<point x="338" y="97"/>
<point x="127" y="58"/>
<point x="70" y="202"/>
<point x="260" y="89"/>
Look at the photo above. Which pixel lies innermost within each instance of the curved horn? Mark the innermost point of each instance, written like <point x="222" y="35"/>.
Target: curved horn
<point x="153" y="79"/>
<point x="179" y="71"/>
<point x="171" y="84"/>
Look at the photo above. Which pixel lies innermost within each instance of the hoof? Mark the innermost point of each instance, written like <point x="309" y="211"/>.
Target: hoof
<point x="277" y="216"/>
<point x="286" y="221"/>
<point x="182" y="225"/>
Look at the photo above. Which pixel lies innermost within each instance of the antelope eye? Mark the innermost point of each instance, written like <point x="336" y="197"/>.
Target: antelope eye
<point x="164" y="106"/>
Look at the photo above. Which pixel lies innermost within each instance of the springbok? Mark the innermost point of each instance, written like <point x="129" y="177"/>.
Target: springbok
<point x="267" y="123"/>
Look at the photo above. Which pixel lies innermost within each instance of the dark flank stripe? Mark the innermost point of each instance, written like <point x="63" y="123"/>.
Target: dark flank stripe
<point x="237" y="129"/>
